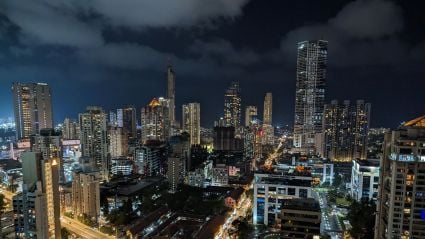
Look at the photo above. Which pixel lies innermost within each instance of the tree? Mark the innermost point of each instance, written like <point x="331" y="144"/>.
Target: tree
<point x="362" y="219"/>
<point x="64" y="233"/>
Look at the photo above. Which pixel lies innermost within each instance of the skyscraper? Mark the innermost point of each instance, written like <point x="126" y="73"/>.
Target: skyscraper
<point x="118" y="142"/>
<point x="232" y="105"/>
<point x="345" y="130"/>
<point x="401" y="197"/>
<point x="250" y="113"/>
<point x="129" y="121"/>
<point x="310" y="93"/>
<point x="94" y="138"/>
<point x="268" y="106"/>
<point x="155" y="120"/>
<point x="192" y="122"/>
<point x="33" y="108"/>
<point x="171" y="94"/>
<point x="37" y="208"/>
<point x="267" y="120"/>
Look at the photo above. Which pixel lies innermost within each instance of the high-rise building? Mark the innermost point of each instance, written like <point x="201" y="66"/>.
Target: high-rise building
<point x="49" y="144"/>
<point x="37" y="209"/>
<point x="192" y="122"/>
<point x="345" y="131"/>
<point x="268" y="107"/>
<point x="224" y="139"/>
<point x="310" y="93"/>
<point x="94" y="138"/>
<point x="267" y="120"/>
<point x="150" y="159"/>
<point x="250" y="113"/>
<point x="232" y="105"/>
<point x="129" y="122"/>
<point x="118" y="142"/>
<point x="86" y="192"/>
<point x="174" y="170"/>
<point x="33" y="108"/>
<point x="70" y="129"/>
<point x="171" y="94"/>
<point x="155" y="120"/>
<point x="401" y="196"/>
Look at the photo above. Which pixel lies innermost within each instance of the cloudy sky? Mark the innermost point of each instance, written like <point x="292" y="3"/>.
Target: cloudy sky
<point x="110" y="53"/>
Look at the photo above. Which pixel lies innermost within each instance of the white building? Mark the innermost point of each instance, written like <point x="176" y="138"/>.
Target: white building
<point x="271" y="189"/>
<point x="220" y="175"/>
<point x="364" y="179"/>
<point x="121" y="166"/>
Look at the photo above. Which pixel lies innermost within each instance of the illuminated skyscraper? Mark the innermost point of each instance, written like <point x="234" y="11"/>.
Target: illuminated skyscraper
<point x="155" y="120"/>
<point x="268" y="107"/>
<point x="345" y="130"/>
<point x="118" y="142"/>
<point x="94" y="138"/>
<point x="250" y="113"/>
<point x="171" y="94"/>
<point x="192" y="122"/>
<point x="310" y="93"/>
<point x="267" y="120"/>
<point x="232" y="105"/>
<point x="401" y="196"/>
<point x="33" y="108"/>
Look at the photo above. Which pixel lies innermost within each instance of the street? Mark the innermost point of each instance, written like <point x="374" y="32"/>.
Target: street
<point x="330" y="224"/>
<point x="82" y="230"/>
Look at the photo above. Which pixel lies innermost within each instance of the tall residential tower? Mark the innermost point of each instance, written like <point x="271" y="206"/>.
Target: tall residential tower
<point x="192" y="122"/>
<point x="33" y="108"/>
<point x="232" y="105"/>
<point x="171" y="94"/>
<point x="310" y="93"/>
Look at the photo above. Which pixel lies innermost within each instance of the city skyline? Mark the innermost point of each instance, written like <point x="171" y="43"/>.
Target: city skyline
<point x="196" y="58"/>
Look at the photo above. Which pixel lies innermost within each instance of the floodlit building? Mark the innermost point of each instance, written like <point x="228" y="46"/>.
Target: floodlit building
<point x="310" y="93"/>
<point x="118" y="142"/>
<point x="364" y="179"/>
<point x="33" y="108"/>
<point x="401" y="197"/>
<point x="267" y="120"/>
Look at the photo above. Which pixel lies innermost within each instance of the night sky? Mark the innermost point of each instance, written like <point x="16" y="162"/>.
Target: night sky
<point x="110" y="53"/>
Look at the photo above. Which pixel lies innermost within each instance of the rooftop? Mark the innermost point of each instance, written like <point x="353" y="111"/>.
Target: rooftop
<point x="418" y="122"/>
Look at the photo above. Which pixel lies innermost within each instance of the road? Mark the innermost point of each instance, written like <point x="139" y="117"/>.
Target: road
<point x="241" y="211"/>
<point x="82" y="230"/>
<point x="330" y="223"/>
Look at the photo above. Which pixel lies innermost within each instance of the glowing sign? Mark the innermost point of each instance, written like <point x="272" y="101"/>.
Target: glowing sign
<point x="423" y="214"/>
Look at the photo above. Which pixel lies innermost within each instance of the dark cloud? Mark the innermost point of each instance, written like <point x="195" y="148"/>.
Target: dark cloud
<point x="362" y="33"/>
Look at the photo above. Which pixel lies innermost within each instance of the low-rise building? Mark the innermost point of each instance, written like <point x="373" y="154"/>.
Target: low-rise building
<point x="300" y="218"/>
<point x="364" y="179"/>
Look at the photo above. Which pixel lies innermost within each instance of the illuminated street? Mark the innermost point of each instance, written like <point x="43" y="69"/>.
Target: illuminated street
<point x="82" y="230"/>
<point x="330" y="224"/>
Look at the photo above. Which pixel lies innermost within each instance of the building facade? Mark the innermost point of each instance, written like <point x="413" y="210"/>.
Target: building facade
<point x="401" y="200"/>
<point x="32" y="103"/>
<point x="192" y="122"/>
<point x="94" y="138"/>
<point x="86" y="193"/>
<point x="155" y="120"/>
<point x="270" y="190"/>
<point x="364" y="179"/>
<point x="232" y="105"/>
<point x="345" y="130"/>
<point x="310" y="93"/>
<point x="250" y="113"/>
